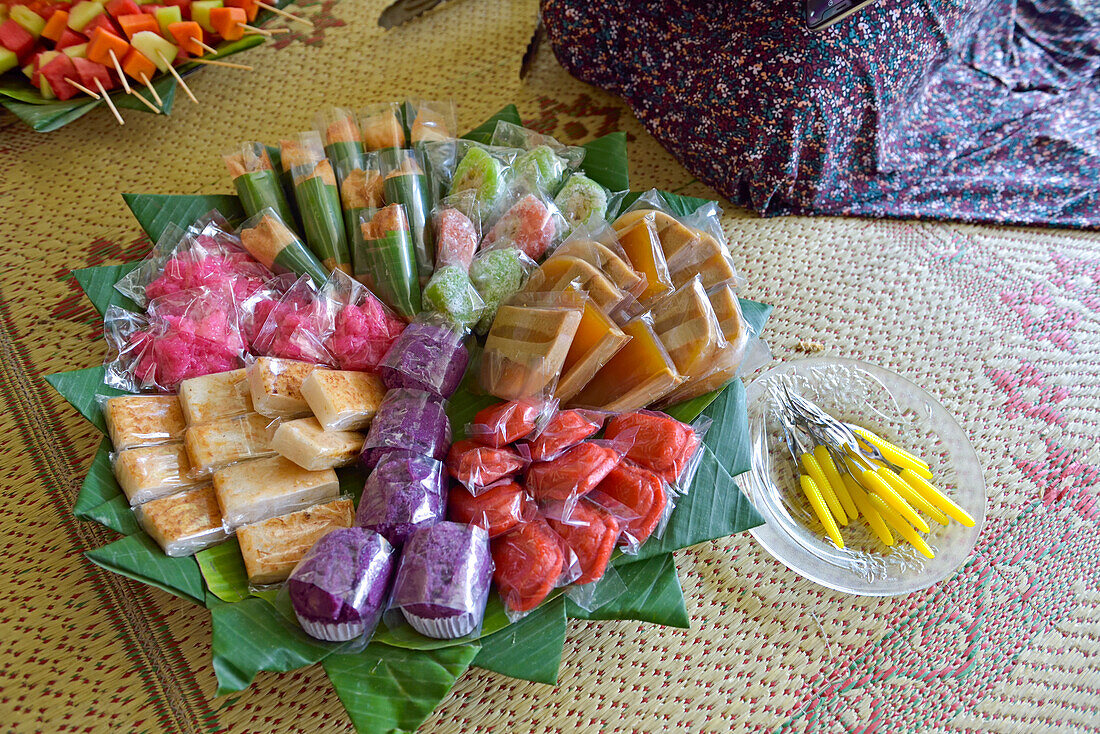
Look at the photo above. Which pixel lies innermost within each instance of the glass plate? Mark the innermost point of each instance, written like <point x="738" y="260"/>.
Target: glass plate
<point x="900" y="412"/>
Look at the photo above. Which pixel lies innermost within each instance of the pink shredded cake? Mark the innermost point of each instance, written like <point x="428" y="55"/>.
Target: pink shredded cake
<point x="177" y="348"/>
<point x="189" y="270"/>
<point x="363" y="334"/>
<point x="293" y="328"/>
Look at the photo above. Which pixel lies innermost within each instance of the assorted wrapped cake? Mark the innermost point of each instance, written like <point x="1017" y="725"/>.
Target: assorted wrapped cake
<point x="273" y="547"/>
<point x="404" y="492"/>
<point x="257" y="490"/>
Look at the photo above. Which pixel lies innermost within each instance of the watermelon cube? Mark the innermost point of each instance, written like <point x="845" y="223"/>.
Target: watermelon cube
<point x="16" y="38"/>
<point x="41" y="59"/>
<point x="102" y="21"/>
<point x="90" y="71"/>
<point x="56" y="72"/>
<point x="69" y="38"/>
<point x="118" y="8"/>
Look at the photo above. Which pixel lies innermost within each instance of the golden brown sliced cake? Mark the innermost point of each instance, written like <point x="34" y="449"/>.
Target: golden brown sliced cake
<point x="147" y="472"/>
<point x="564" y="273"/>
<point x="705" y="257"/>
<point x="639" y="373"/>
<point x="214" y="445"/>
<point x="185" y="523"/>
<point x="613" y="265"/>
<point x="210" y="397"/>
<point x="596" y="340"/>
<point x="526" y="348"/>
<point x="143" y="420"/>
<point x="305" y="442"/>
<point x="276" y="387"/>
<point x="688" y="328"/>
<point x="343" y="400"/>
<point x="643" y="248"/>
<point x="272" y="548"/>
<point x="256" y="490"/>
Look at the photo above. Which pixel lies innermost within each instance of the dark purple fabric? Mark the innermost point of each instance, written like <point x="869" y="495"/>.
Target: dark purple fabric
<point x="983" y="111"/>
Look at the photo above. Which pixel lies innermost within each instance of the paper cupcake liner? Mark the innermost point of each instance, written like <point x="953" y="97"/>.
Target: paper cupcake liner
<point x="332" y="632"/>
<point x="447" y="628"/>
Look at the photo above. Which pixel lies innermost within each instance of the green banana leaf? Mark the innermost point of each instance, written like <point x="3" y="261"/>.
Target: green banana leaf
<point x="101" y="499"/>
<point x="138" y="557"/>
<point x="603" y="161"/>
<point x="154" y="212"/>
<point x="80" y="388"/>
<point x="653" y="594"/>
<point x="483" y="133"/>
<point x="385" y="689"/>
<point x="98" y="284"/>
<point x="530" y="648"/>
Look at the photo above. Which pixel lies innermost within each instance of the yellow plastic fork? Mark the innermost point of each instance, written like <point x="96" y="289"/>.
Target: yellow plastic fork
<point x="872" y="480"/>
<point x="936" y="497"/>
<point x="832" y="475"/>
<point x="817" y="501"/>
<point x="893" y="454"/>
<point x="898" y="523"/>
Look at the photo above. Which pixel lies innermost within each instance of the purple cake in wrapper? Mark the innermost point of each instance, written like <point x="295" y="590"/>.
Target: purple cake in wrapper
<point x="443" y="579"/>
<point x="426" y="357"/>
<point x="339" y="588"/>
<point x="413" y="420"/>
<point x="405" y="491"/>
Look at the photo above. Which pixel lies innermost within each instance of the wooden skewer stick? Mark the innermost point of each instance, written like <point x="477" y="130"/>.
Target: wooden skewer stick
<point x="107" y="99"/>
<point x="212" y="62"/>
<point x="152" y="89"/>
<point x="206" y="46"/>
<point x="145" y="102"/>
<point x="82" y="88"/>
<point x="118" y="68"/>
<point x="283" y="13"/>
<point x="251" y="29"/>
<point x="179" y="79"/>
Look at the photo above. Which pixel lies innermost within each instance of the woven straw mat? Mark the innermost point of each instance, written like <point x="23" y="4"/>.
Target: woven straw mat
<point x="1002" y="325"/>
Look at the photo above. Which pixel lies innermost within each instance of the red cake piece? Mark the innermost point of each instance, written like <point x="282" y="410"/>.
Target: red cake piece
<point x="503" y="423"/>
<point x="498" y="508"/>
<point x="479" y="466"/>
<point x="573" y="474"/>
<point x="567" y="428"/>
<point x="528" y="562"/>
<point x="638" y="495"/>
<point x="592" y="533"/>
<point x="659" y="443"/>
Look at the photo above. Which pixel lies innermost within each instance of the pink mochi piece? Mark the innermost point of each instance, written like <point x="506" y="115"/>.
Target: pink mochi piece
<point x="363" y="334"/>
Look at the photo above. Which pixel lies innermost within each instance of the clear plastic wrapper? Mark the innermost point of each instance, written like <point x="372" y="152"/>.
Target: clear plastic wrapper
<point x="212" y="397"/>
<point x="566" y="272"/>
<point x="561" y="482"/>
<point x="386" y="259"/>
<point x="185" y="334"/>
<point x="596" y="594"/>
<point x="382" y="126"/>
<point x="254" y="310"/>
<point x="132" y="285"/>
<point x="531" y="560"/>
<point x="341" y="139"/>
<point x="340" y="586"/>
<point x="256" y="180"/>
<point x="220" y="443"/>
<point x="456" y="237"/>
<point x="271" y="548"/>
<point x="727" y="362"/>
<point x="426" y="356"/>
<point x="269" y="239"/>
<point x="643" y="247"/>
<point x="637" y="498"/>
<point x="477" y="466"/>
<point x="405" y="491"/>
<point x="451" y="295"/>
<point x="297" y="327"/>
<point x="688" y="327"/>
<point x="318" y="199"/>
<point x="363" y="328"/>
<point x="148" y="472"/>
<point x="472" y="176"/>
<point x="598" y="244"/>
<point x="432" y="120"/>
<point x="343" y="400"/>
<point x="659" y="442"/>
<point x="361" y="196"/>
<point x="405" y="183"/>
<point x="545" y="162"/>
<point x="142" y="420"/>
<point x="526" y="221"/>
<point x="443" y="580"/>
<point x="252" y="491"/>
<point x="565" y="429"/>
<point x="597" y="339"/>
<point x="582" y="201"/>
<point x="592" y="533"/>
<point x="528" y="343"/>
<point x="276" y="387"/>
<point x="639" y="373"/>
<point x="413" y="420"/>
<point x="185" y="523"/>
<point x="498" y="508"/>
<point x="306" y="442"/>
<point x="497" y="275"/>
<point x="504" y="423"/>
